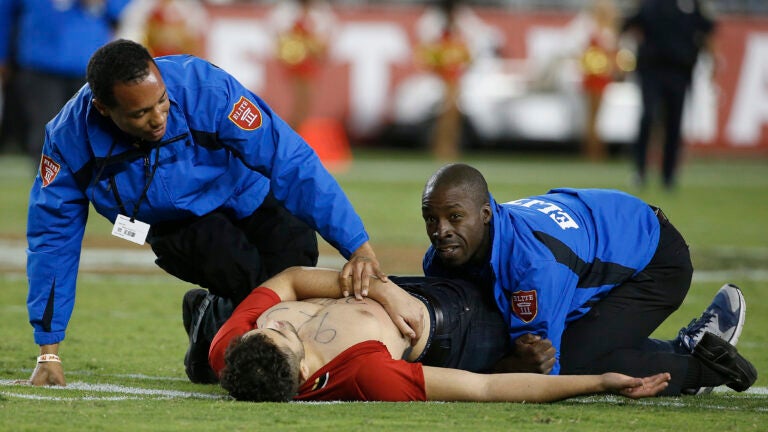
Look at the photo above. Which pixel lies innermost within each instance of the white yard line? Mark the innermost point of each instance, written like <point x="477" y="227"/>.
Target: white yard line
<point x="120" y="392"/>
<point x="730" y="275"/>
<point x="13" y="257"/>
<point x="124" y="392"/>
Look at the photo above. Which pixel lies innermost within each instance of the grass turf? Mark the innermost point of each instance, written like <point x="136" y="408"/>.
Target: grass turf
<point x="125" y="342"/>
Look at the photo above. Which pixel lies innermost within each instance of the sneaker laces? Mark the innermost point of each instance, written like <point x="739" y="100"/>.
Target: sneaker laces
<point x="691" y="334"/>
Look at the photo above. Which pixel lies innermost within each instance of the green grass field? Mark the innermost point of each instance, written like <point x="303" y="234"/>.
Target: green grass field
<point x="125" y="343"/>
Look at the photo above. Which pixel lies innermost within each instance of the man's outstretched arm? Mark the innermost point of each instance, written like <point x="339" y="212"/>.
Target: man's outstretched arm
<point x="456" y="385"/>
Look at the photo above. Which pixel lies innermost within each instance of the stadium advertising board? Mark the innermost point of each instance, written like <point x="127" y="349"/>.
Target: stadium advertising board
<point x="371" y="80"/>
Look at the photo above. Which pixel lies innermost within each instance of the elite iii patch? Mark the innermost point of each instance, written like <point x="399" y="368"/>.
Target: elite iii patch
<point x="525" y="305"/>
<point x="245" y="114"/>
<point x="49" y="169"/>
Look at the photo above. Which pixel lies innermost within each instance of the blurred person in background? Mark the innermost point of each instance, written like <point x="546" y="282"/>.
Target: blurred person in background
<point x="670" y="34"/>
<point x="450" y="37"/>
<point x="54" y="40"/>
<point x="166" y="27"/>
<point x="596" y="31"/>
<point x="303" y="30"/>
<point x="11" y="120"/>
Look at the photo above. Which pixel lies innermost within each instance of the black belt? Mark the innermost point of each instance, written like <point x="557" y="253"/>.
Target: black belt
<point x="659" y="214"/>
<point x="437" y="348"/>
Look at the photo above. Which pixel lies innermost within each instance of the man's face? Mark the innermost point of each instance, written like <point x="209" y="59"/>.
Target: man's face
<point x="457" y="225"/>
<point x="283" y="334"/>
<point x="142" y="108"/>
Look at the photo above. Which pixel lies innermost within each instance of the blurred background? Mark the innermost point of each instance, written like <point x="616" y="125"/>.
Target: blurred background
<point x="362" y="73"/>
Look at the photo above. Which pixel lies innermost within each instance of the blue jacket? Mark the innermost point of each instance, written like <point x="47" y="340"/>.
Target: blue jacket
<point x="554" y="255"/>
<point x="56" y="36"/>
<point x="223" y="149"/>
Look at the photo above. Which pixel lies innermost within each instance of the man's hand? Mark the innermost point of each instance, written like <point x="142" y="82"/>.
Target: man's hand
<point x="48" y="374"/>
<point x="635" y="388"/>
<point x="404" y="310"/>
<point x="531" y="354"/>
<point x="356" y="275"/>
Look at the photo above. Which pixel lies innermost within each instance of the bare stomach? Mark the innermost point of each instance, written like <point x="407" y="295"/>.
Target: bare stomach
<point x="336" y="325"/>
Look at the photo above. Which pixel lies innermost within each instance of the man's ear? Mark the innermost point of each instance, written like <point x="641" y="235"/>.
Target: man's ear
<point x="103" y="110"/>
<point x="303" y="370"/>
<point x="486" y="213"/>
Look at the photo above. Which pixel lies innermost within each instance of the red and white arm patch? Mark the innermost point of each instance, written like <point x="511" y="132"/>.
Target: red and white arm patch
<point x="246" y="115"/>
<point x="525" y="305"/>
<point x="49" y="169"/>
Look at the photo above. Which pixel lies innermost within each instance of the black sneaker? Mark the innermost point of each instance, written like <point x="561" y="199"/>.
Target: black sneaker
<point x="203" y="314"/>
<point x="189" y="306"/>
<point x="722" y="357"/>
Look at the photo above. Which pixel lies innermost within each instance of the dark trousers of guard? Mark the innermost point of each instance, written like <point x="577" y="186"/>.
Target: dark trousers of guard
<point x="229" y="258"/>
<point x="614" y="335"/>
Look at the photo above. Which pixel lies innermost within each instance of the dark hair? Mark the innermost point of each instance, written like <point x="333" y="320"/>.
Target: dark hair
<point x="120" y="61"/>
<point x="257" y="370"/>
<point x="462" y="176"/>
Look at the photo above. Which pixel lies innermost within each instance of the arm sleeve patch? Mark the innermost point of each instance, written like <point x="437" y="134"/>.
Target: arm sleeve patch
<point x="246" y="115"/>
<point x="49" y="169"/>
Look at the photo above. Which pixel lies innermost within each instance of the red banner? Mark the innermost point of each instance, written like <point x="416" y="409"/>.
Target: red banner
<point x="371" y="80"/>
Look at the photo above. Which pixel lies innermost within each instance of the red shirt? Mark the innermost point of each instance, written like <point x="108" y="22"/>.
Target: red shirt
<point x="365" y="371"/>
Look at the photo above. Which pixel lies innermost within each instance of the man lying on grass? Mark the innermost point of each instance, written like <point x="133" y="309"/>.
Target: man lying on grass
<point x="275" y="348"/>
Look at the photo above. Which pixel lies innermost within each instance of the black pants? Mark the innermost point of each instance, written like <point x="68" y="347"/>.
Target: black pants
<point x="663" y="93"/>
<point x="468" y="332"/>
<point x="232" y="257"/>
<point x="614" y="335"/>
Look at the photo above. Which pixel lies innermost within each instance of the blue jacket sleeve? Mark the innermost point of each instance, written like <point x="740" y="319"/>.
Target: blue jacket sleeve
<point x="55" y="227"/>
<point x="265" y="143"/>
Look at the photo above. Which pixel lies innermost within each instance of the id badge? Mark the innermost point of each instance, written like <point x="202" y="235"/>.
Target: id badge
<point x="135" y="231"/>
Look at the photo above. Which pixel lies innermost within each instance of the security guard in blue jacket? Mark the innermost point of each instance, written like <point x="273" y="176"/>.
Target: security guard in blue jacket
<point x="582" y="277"/>
<point x="174" y="150"/>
